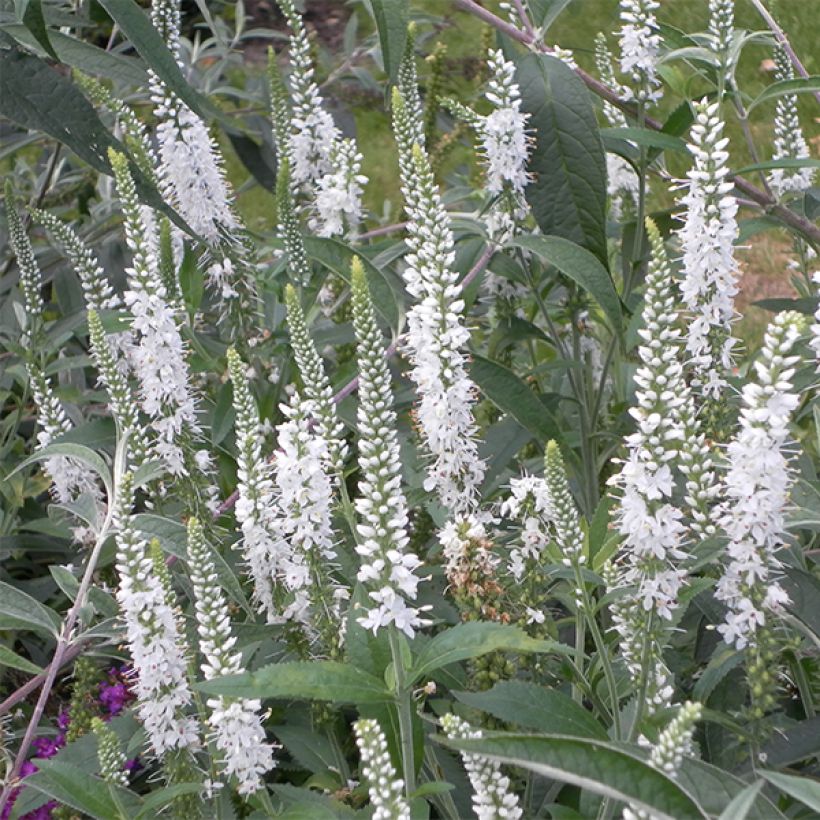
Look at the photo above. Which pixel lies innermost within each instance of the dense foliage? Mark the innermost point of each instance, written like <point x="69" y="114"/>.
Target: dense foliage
<point x="490" y="510"/>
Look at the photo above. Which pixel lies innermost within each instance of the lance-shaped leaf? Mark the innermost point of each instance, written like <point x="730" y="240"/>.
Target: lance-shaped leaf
<point x="593" y="765"/>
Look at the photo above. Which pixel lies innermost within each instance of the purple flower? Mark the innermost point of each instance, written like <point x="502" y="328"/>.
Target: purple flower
<point x="45" y="747"/>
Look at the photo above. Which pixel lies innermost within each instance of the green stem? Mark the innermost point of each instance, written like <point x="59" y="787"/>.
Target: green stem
<point x="404" y="708"/>
<point x="601" y="647"/>
<point x="643" y="680"/>
<point x="634" y="262"/>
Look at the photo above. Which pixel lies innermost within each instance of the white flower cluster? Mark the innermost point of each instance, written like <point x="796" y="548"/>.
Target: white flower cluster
<point x="756" y="487"/>
<point x="110" y="754"/>
<point x="316" y="384"/>
<point x="387" y="567"/>
<point x="321" y="162"/>
<point x="529" y="502"/>
<point x="158" y="355"/>
<point x="789" y="142"/>
<point x="153" y="637"/>
<point x="385" y="788"/>
<point x="97" y="290"/>
<point x="564" y="517"/>
<point x="304" y="497"/>
<point x="493" y="797"/>
<point x="652" y="526"/>
<point x="29" y="271"/>
<point x="721" y="28"/>
<point x="675" y="741"/>
<point x="338" y="200"/>
<point x="70" y="478"/>
<point x="707" y="239"/>
<point x="621" y="180"/>
<point x="236" y="723"/>
<point x="640" y="43"/>
<point x="313" y="132"/>
<point x="190" y="166"/>
<point x="436" y="334"/>
<point x="667" y="754"/>
<point x="262" y="545"/>
<point x="504" y="130"/>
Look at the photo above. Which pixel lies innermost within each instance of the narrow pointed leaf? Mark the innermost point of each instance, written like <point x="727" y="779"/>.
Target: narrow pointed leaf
<point x="320" y="680"/>
<point x="594" y="765"/>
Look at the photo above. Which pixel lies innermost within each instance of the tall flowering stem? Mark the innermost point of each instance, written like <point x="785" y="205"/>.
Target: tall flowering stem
<point x="159" y="355"/>
<point x="493" y="796"/>
<point x="99" y="295"/>
<point x="262" y="544"/>
<point x="707" y="238"/>
<point x="640" y="43"/>
<point x="385" y="788"/>
<point x="236" y="723"/>
<point x="651" y="524"/>
<point x="505" y="143"/>
<point x="388" y="568"/>
<point x="153" y="635"/>
<point x="316" y="383"/>
<point x="789" y="142"/>
<point x="436" y="335"/>
<point x="30" y="277"/>
<point x="192" y="177"/>
<point x="304" y="496"/>
<point x="313" y="133"/>
<point x="756" y="487"/>
<point x="69" y="477"/>
<point x="721" y="29"/>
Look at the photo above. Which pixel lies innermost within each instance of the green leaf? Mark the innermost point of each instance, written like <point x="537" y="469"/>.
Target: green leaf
<point x="40" y="99"/>
<point x="535" y="707"/>
<point x="715" y="789"/>
<point x="793" y="745"/>
<point x="78" y="789"/>
<point x="158" y="799"/>
<point x="579" y="265"/>
<point x="545" y="12"/>
<point x="471" y="640"/>
<point x="647" y="138"/>
<point x="568" y="190"/>
<point x="87" y="57"/>
<point x="511" y="394"/>
<point x="137" y="27"/>
<point x="778" y="89"/>
<point x="804" y="789"/>
<point x="338" y="257"/>
<point x="174" y="539"/>
<point x="320" y="680"/>
<point x="741" y="805"/>
<point x="77" y="452"/>
<point x="21" y="611"/>
<point x="593" y="765"/>
<point x="30" y="12"/>
<point x="805" y="162"/>
<point x="392" y="17"/>
<point x="11" y="660"/>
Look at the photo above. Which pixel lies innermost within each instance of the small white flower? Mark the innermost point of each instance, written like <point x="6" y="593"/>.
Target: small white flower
<point x="640" y="43"/>
<point x="493" y="797"/>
